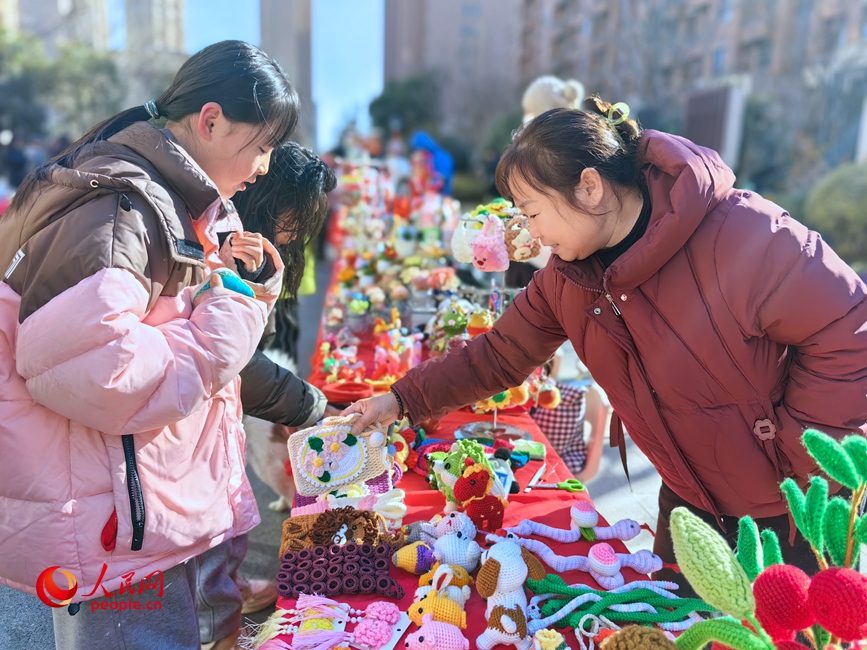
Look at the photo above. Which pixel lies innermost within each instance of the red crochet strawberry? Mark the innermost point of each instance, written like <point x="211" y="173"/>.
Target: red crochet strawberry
<point x="838" y="597"/>
<point x="782" y="605"/>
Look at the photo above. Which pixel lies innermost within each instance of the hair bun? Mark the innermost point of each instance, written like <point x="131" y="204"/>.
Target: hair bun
<point x="628" y="130"/>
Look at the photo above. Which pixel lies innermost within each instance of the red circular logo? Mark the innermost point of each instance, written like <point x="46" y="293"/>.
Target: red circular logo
<point x="50" y="593"/>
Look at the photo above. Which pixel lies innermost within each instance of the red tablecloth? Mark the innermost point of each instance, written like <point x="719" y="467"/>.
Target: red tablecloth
<point x="546" y="506"/>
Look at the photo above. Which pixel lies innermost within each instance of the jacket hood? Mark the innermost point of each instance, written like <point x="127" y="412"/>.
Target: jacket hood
<point x="684" y="182"/>
<point x="141" y="159"/>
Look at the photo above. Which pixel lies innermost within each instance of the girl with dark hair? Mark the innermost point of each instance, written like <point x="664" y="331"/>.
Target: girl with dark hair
<point x="287" y="206"/>
<point x="121" y="445"/>
<point x="719" y="327"/>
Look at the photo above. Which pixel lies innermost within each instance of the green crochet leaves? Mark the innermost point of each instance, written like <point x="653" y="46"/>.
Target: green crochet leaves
<point x="707" y="562"/>
<point x="861" y="531"/>
<point x="749" y="548"/>
<point x="832" y="458"/>
<point x="817" y="501"/>
<point x="729" y="633"/>
<point x="756" y="553"/>
<point x="771" y="548"/>
<point x="837" y="529"/>
<point x="797" y="504"/>
<point x="856" y="447"/>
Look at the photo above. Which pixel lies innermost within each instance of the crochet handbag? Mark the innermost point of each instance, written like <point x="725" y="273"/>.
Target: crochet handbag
<point x="327" y="456"/>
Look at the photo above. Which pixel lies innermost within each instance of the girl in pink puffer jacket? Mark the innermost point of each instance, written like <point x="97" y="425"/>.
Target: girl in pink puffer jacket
<point x="121" y="446"/>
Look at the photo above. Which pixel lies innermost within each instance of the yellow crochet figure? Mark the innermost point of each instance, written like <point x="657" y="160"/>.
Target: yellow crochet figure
<point x="441" y="608"/>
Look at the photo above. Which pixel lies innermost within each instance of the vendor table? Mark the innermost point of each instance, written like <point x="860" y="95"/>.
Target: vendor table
<point x="547" y="506"/>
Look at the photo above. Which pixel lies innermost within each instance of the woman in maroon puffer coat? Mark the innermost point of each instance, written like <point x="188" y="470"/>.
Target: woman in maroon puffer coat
<point x="719" y="327"/>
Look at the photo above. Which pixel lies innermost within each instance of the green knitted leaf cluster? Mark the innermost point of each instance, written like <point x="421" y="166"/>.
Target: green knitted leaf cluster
<point x="750" y="548"/>
<point x="837" y="530"/>
<point x="707" y="562"/>
<point x="832" y="458"/>
<point x="757" y="552"/>
<point x="771" y="548"/>
<point x="729" y="633"/>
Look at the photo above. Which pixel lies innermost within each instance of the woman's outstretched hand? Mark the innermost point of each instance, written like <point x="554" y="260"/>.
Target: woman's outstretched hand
<point x="382" y="409"/>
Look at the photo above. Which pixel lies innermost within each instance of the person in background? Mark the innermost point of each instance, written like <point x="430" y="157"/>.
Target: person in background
<point x="719" y="327"/>
<point x="121" y="445"/>
<point x="287" y="206"/>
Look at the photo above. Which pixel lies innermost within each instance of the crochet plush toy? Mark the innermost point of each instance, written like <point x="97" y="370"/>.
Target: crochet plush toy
<point x="446" y="585"/>
<point x="505" y="568"/>
<point x="519" y="242"/>
<point x="473" y="491"/>
<point x="449" y="467"/>
<point x="456" y="542"/>
<point x="441" y="603"/>
<point x="434" y="635"/>
<point x="489" y="249"/>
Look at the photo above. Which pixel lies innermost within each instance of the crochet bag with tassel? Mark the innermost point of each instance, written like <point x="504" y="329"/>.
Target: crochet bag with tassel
<point x="489" y="249"/>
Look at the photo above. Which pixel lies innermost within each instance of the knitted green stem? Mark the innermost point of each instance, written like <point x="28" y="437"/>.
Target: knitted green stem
<point x="853" y="516"/>
<point x="727" y="632"/>
<point x="760" y="631"/>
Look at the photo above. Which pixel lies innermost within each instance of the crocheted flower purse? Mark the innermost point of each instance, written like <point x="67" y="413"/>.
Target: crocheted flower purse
<point x="327" y="456"/>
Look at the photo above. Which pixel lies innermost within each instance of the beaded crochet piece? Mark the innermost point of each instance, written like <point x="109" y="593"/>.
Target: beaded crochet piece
<point x="334" y="570"/>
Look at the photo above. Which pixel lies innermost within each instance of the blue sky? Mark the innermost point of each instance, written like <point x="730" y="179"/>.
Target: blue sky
<point x="347" y="50"/>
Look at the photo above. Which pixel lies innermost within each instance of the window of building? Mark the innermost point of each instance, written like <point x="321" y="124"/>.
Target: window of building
<point x="725" y="11"/>
<point x="719" y="60"/>
<point x="469" y="31"/>
<point x="864" y="23"/>
<point x="587" y="27"/>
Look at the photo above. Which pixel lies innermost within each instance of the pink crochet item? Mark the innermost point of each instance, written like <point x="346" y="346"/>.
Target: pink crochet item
<point x="489" y="249"/>
<point x="372" y="633"/>
<point x="433" y="635"/>
<point x="383" y="611"/>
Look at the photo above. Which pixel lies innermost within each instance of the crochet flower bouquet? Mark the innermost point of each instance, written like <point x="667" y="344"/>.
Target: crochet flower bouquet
<point x="766" y="603"/>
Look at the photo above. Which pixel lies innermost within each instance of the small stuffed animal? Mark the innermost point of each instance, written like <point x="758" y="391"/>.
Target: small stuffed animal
<point x="519" y="242"/>
<point x="435" y="635"/>
<point x="448" y="468"/>
<point x="505" y="568"/>
<point x="460" y="577"/>
<point x="443" y="609"/>
<point x="473" y="491"/>
<point x="456" y="545"/>
<point x="464" y="237"/>
<point x="489" y="249"/>
<point x="441" y="583"/>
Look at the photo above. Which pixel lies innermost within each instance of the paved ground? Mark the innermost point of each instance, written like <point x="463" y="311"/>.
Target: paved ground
<point x="25" y="623"/>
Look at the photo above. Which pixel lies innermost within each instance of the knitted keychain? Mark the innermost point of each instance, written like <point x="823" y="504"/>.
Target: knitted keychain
<point x="309" y="613"/>
<point x="373" y="631"/>
<point x="489" y="248"/>
<point x="436" y="635"/>
<point x="583" y="522"/>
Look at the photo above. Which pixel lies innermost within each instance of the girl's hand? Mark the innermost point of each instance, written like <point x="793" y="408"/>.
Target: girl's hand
<point x="216" y="289"/>
<point x="382" y="409"/>
<point x="248" y="247"/>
